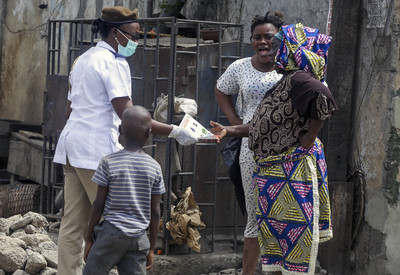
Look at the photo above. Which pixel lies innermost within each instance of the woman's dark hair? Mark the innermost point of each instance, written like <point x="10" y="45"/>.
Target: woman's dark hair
<point x="103" y="27"/>
<point x="275" y="19"/>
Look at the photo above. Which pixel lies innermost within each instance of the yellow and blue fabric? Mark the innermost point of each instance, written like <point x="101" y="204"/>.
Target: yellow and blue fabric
<point x="294" y="213"/>
<point x="303" y="48"/>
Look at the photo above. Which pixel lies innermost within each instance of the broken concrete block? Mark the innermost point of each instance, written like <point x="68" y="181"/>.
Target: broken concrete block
<point x="41" y="238"/>
<point x="30" y="229"/>
<point x="51" y="257"/>
<point x="4" y="226"/>
<point x="29" y="239"/>
<point x="12" y="257"/>
<point x="48" y="246"/>
<point x="35" y="263"/>
<point x="16" y="242"/>
<point x="49" y="271"/>
<point x="18" y="233"/>
<point x="20" y="223"/>
<point x="37" y="219"/>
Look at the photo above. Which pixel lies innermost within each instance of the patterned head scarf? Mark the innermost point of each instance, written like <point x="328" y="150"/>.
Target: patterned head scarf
<point x="303" y="48"/>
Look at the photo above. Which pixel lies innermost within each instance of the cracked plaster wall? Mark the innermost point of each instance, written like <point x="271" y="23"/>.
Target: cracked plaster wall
<point x="376" y="141"/>
<point x="24" y="48"/>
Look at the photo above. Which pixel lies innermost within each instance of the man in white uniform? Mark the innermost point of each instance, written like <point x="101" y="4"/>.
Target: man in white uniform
<point x="100" y="90"/>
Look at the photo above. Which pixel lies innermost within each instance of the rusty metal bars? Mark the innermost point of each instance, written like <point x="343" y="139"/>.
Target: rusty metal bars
<point x="76" y="44"/>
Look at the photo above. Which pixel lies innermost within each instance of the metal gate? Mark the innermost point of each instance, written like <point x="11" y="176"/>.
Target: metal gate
<point x="178" y="64"/>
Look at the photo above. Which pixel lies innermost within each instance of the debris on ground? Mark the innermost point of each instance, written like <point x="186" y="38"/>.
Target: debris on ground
<point x="25" y="246"/>
<point x="185" y="221"/>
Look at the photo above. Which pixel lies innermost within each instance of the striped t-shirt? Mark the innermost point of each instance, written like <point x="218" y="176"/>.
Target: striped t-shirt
<point x="131" y="179"/>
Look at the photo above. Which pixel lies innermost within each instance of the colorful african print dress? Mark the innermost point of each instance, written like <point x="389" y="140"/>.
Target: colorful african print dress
<point x="291" y="182"/>
<point x="294" y="211"/>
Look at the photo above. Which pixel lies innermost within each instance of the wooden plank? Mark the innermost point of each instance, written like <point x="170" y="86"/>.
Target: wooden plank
<point x="38" y="144"/>
<point x="31" y="135"/>
<point x="25" y="161"/>
<point x="334" y="255"/>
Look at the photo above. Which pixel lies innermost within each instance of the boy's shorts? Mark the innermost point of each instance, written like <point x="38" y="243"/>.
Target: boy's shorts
<point x="112" y="248"/>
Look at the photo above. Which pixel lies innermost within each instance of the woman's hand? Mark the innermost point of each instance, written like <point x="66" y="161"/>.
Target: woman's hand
<point x="307" y="141"/>
<point x="218" y="130"/>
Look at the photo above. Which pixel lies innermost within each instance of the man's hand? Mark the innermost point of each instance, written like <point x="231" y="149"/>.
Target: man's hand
<point x="218" y="130"/>
<point x="150" y="259"/>
<point x="88" y="246"/>
<point x="307" y="141"/>
<point x="184" y="136"/>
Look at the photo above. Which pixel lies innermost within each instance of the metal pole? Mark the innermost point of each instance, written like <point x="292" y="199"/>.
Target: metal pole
<point x="171" y="99"/>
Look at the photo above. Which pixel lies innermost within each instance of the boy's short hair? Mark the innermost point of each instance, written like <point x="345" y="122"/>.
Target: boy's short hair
<point x="136" y="124"/>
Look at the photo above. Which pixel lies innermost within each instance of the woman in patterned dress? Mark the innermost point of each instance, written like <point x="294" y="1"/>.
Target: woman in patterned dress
<point x="290" y="176"/>
<point x="250" y="78"/>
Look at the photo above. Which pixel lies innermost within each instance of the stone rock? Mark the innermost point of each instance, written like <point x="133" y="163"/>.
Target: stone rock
<point x="12" y="257"/>
<point x="113" y="272"/>
<point x="30" y="229"/>
<point x="35" y="249"/>
<point x="51" y="257"/>
<point x="14" y="219"/>
<point x="35" y="263"/>
<point x="4" y="226"/>
<point x="41" y="238"/>
<point x="41" y="230"/>
<point x="2" y="272"/>
<point x="228" y="271"/>
<point x="49" y="271"/>
<point x="30" y="240"/>
<point x="18" y="233"/>
<point x="20" y="223"/>
<point x="20" y="272"/>
<point x="3" y="234"/>
<point x="37" y="219"/>
<point x="29" y="252"/>
<point x="48" y="246"/>
<point x="16" y="242"/>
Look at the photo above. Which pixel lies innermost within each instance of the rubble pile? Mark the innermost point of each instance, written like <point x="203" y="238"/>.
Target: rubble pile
<point x="25" y="246"/>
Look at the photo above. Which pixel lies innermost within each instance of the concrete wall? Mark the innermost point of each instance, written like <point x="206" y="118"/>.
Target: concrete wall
<point x="23" y="38"/>
<point x="375" y="148"/>
<point x="23" y="44"/>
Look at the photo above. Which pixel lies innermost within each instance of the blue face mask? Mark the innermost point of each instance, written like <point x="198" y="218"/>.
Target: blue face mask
<point x="129" y="49"/>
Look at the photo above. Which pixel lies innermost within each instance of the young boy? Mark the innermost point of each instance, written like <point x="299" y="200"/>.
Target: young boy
<point x="130" y="185"/>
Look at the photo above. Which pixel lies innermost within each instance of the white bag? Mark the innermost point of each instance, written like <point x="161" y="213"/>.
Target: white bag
<point x="182" y="105"/>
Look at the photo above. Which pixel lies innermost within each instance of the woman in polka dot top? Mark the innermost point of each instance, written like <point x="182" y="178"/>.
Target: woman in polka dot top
<point x="250" y="78"/>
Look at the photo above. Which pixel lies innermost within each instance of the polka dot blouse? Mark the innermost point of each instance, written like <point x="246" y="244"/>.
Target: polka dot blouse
<point x="251" y="85"/>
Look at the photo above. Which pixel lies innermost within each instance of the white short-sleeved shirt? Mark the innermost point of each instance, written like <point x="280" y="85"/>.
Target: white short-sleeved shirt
<point x="251" y="85"/>
<point x="91" y="132"/>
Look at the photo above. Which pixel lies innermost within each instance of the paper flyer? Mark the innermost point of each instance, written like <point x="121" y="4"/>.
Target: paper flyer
<point x="196" y="128"/>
